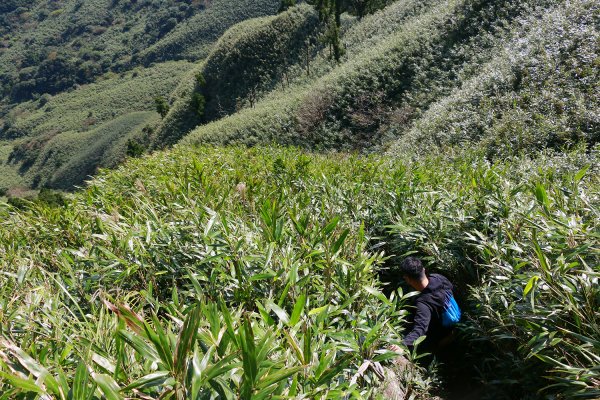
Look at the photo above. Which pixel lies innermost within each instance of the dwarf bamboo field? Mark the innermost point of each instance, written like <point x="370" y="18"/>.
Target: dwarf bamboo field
<point x="240" y="273"/>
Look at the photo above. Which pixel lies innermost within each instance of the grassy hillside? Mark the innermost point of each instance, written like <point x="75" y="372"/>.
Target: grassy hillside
<point x="71" y="158"/>
<point x="54" y="47"/>
<point x="50" y="46"/>
<point x="57" y="141"/>
<point x="9" y="176"/>
<point x="96" y="103"/>
<point x="541" y="89"/>
<point x="424" y="52"/>
<point x="409" y="71"/>
<point x="193" y="38"/>
<point x="248" y="61"/>
<point x="249" y="272"/>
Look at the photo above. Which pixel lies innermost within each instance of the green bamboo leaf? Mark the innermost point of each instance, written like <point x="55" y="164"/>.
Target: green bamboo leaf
<point x="264" y="347"/>
<point x="108" y="386"/>
<point x="298" y="308"/>
<point x="25" y="385"/>
<point x="283" y="316"/>
<point x="279" y="225"/>
<point x="186" y="340"/>
<point x="307" y="345"/>
<point x="300" y="224"/>
<point x="139" y="345"/>
<point x="584" y="339"/>
<point x="331" y="226"/>
<point x="295" y="347"/>
<point x="198" y="368"/>
<point x="373" y="335"/>
<point x="542" y="196"/>
<point x="63" y="382"/>
<point x="211" y="221"/>
<point x="263" y="276"/>
<point x="377" y="294"/>
<point x="249" y="361"/>
<point x="228" y="322"/>
<point x="581" y="173"/>
<point x="530" y="284"/>
<point x="81" y="390"/>
<point x="419" y="340"/>
<point x="103" y="362"/>
<point x="318" y="310"/>
<point x="221" y="367"/>
<point x="387" y="355"/>
<point x="163" y="345"/>
<point x="33" y="366"/>
<point x="265" y="314"/>
<point x="150" y="380"/>
<point x="540" y="255"/>
<point x="293" y="391"/>
<point x="338" y="243"/>
<point x="162" y="349"/>
<point x="280" y="375"/>
<point x="197" y="287"/>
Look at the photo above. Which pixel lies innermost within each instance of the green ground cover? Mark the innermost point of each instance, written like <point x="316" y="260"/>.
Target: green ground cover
<point x="96" y="103"/>
<point x="70" y="158"/>
<point x="249" y="60"/>
<point x="253" y="272"/>
<point x="193" y="39"/>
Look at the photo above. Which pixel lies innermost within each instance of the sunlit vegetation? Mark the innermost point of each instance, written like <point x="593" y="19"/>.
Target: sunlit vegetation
<point x="468" y="132"/>
<point x="50" y="46"/>
<point x="60" y="141"/>
<point x="251" y="59"/>
<point x="51" y="50"/>
<point x="193" y="39"/>
<point x="429" y="58"/>
<point x="254" y="272"/>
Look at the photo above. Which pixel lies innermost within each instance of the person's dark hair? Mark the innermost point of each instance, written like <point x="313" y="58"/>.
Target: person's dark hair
<point x="412" y="267"/>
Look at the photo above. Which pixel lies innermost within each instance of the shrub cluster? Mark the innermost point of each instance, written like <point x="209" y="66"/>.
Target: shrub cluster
<point x="249" y="60"/>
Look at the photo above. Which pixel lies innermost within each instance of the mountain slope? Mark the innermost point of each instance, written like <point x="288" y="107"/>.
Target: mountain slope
<point x="251" y="59"/>
<point x="541" y="89"/>
<point x="380" y="90"/>
<point x="54" y="45"/>
<point x="192" y="39"/>
<point x="43" y="132"/>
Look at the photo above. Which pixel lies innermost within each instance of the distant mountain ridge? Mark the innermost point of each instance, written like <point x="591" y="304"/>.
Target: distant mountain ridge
<point x="48" y="47"/>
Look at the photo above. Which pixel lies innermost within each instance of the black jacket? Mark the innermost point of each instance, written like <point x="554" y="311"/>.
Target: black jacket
<point x="429" y="309"/>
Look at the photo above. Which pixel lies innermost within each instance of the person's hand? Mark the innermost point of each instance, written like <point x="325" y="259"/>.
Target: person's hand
<point x="400" y="361"/>
<point x="396" y="349"/>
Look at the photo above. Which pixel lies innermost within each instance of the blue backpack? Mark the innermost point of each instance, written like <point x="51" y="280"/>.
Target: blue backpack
<point x="451" y="315"/>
